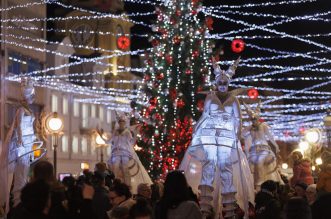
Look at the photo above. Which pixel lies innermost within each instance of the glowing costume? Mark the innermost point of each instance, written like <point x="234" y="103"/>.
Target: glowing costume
<point x="124" y="161"/>
<point x="17" y="152"/>
<point x="215" y="152"/>
<point x="262" y="159"/>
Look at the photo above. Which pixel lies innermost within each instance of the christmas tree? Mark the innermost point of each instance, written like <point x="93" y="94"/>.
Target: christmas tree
<point x="177" y="72"/>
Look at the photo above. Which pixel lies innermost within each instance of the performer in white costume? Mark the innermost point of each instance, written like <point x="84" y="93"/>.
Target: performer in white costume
<point x="215" y="152"/>
<point x="17" y="153"/>
<point x="124" y="161"/>
<point x="262" y="159"/>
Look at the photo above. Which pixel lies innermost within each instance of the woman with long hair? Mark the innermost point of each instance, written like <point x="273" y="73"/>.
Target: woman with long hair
<point x="176" y="203"/>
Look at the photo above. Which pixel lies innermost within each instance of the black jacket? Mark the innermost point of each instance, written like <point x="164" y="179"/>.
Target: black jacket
<point x="267" y="206"/>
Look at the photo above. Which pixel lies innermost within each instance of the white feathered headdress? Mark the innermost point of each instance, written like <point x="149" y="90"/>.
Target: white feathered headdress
<point x="228" y="74"/>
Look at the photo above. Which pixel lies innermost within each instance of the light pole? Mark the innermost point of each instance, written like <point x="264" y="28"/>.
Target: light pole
<point x="327" y="124"/>
<point x="54" y="126"/>
<point x="101" y="143"/>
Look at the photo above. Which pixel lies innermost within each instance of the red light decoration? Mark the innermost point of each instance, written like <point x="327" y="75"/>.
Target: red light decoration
<point x="253" y="93"/>
<point x="123" y="42"/>
<point x="237" y="45"/>
<point x="209" y="23"/>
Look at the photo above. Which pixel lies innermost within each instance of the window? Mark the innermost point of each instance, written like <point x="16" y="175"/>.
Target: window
<point x="108" y="116"/>
<point x="93" y="109"/>
<point x="84" y="145"/>
<point x="101" y="112"/>
<point x="85" y="115"/>
<point x="76" y="108"/>
<point x="75" y="144"/>
<point x="54" y="103"/>
<point x="65" y="105"/>
<point x="64" y="143"/>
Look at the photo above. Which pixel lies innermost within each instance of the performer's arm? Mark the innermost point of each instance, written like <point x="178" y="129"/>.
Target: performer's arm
<point x="271" y="138"/>
<point x="237" y="116"/>
<point x="205" y="113"/>
<point x="248" y="139"/>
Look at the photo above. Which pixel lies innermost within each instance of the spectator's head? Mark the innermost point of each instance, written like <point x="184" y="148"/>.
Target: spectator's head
<point x="269" y="186"/>
<point x="141" y="210"/>
<point x="296" y="208"/>
<point x="98" y="178"/>
<point x="300" y="189"/>
<point x="118" y="193"/>
<point x="296" y="156"/>
<point x="311" y="193"/>
<point x="144" y="190"/>
<point x="43" y="170"/>
<point x="101" y="167"/>
<point x="321" y="208"/>
<point x="157" y="191"/>
<point x="119" y="213"/>
<point x="68" y="181"/>
<point x="35" y="197"/>
<point x="175" y="188"/>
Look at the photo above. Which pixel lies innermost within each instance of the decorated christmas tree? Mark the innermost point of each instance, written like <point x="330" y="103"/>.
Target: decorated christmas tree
<point x="178" y="71"/>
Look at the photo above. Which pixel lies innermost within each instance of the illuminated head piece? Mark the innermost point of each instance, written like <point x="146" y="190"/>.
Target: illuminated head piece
<point x="27" y="89"/>
<point x="121" y="117"/>
<point x="253" y="114"/>
<point x="221" y="75"/>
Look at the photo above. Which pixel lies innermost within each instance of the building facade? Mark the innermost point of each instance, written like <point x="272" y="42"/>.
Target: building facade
<point x="22" y="53"/>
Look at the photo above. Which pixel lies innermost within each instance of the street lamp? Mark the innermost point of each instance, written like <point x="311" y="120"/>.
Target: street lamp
<point x="303" y="145"/>
<point x="319" y="161"/>
<point x="101" y="143"/>
<point x="313" y="136"/>
<point x="54" y="126"/>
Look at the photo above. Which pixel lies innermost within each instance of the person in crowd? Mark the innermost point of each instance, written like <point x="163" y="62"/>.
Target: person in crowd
<point x="141" y="210"/>
<point x="297" y="208"/>
<point x="43" y="170"/>
<point x="157" y="192"/>
<point x="176" y="203"/>
<point x="120" y="196"/>
<point x="35" y="201"/>
<point x="109" y="175"/>
<point x="119" y="213"/>
<point x="300" y="190"/>
<point x="144" y="191"/>
<point x="324" y="179"/>
<point x="266" y="203"/>
<point x="301" y="169"/>
<point x="101" y="203"/>
<point x="321" y="208"/>
<point x="311" y="194"/>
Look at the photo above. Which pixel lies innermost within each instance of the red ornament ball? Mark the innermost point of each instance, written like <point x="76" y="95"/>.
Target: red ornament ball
<point x="153" y="101"/>
<point x="147" y="77"/>
<point x="178" y="12"/>
<point x="169" y="59"/>
<point x="123" y="42"/>
<point x="253" y="93"/>
<point x="195" y="54"/>
<point x="155" y="42"/>
<point x="160" y="76"/>
<point x="180" y="103"/>
<point x="176" y="40"/>
<point x="209" y="23"/>
<point x="188" y="72"/>
<point x="237" y="45"/>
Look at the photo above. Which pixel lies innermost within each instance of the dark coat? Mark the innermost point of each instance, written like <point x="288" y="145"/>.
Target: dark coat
<point x="267" y="206"/>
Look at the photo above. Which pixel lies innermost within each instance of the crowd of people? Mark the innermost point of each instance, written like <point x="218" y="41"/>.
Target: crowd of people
<point x="98" y="195"/>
